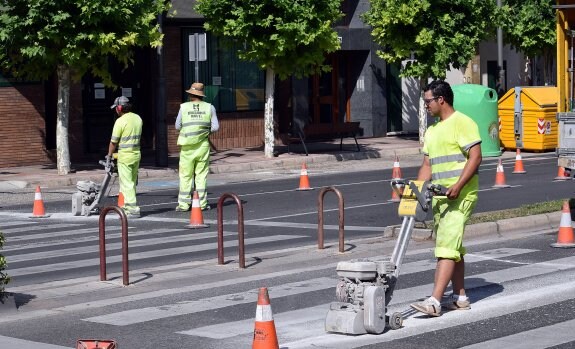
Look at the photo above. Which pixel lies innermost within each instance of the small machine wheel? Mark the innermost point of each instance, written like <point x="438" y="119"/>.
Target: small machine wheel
<point x="395" y="321"/>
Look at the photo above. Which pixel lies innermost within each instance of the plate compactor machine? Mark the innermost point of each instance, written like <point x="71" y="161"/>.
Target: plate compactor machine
<point x="366" y="286"/>
<point x="86" y="200"/>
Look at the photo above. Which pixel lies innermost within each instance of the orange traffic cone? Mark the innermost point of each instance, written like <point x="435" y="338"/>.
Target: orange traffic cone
<point x="196" y="218"/>
<point x="120" y="199"/>
<point x="500" y="177"/>
<point x="394" y="196"/>
<point x="396" y="172"/>
<point x="303" y="179"/>
<point x="518" y="163"/>
<point x="265" y="336"/>
<point x="565" y="235"/>
<point x="38" y="210"/>
<point x="563" y="174"/>
<point x="96" y="344"/>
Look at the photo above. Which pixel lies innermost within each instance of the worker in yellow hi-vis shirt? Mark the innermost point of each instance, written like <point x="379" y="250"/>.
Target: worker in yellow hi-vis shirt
<point x="196" y="120"/>
<point x="126" y="137"/>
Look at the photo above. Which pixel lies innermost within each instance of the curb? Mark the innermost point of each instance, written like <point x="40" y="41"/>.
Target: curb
<point x="542" y="222"/>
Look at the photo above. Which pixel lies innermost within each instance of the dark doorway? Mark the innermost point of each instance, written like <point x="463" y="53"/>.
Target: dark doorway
<point x="328" y="93"/>
<point x="132" y="82"/>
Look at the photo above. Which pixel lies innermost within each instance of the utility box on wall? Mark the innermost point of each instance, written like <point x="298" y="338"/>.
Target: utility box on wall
<point x="527" y="117"/>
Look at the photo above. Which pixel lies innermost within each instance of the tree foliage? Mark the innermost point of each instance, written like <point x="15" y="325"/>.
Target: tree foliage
<point x="529" y="25"/>
<point x="36" y="36"/>
<point x="437" y="33"/>
<point x="288" y="36"/>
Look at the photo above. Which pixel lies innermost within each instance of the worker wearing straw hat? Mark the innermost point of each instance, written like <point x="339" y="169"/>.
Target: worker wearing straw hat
<point x="196" y="120"/>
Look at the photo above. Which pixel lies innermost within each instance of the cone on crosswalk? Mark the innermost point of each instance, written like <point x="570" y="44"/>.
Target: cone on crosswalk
<point x="500" y="177"/>
<point x="396" y="174"/>
<point x="518" y="163"/>
<point x="565" y="234"/>
<point x="96" y="344"/>
<point x="396" y="171"/>
<point x="196" y="217"/>
<point x="265" y="336"/>
<point x="38" y="210"/>
<point x="304" y="179"/>
<point x="120" y="199"/>
<point x="563" y="174"/>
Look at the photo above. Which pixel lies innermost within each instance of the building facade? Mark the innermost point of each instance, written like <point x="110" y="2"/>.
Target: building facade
<point x="361" y="87"/>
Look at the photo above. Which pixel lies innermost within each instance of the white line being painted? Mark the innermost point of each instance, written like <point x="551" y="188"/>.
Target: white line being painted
<point x="400" y="298"/>
<point x="143" y="255"/>
<point x="37" y="227"/>
<point x="10" y="342"/>
<point x="116" y="246"/>
<point x="35" y="237"/>
<point x="135" y="316"/>
<point x="509" y="301"/>
<point x="543" y="337"/>
<point x="64" y="289"/>
<point x="153" y="313"/>
<point x="17" y="223"/>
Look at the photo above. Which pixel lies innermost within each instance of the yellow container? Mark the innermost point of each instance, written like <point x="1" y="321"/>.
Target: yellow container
<point x="527" y="118"/>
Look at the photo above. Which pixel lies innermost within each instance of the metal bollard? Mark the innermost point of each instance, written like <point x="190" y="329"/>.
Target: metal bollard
<point x="124" y="221"/>
<point x="320" y="198"/>
<point x="242" y="258"/>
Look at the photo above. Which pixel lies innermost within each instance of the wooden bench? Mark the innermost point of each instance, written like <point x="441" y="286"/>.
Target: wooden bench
<point x="315" y="132"/>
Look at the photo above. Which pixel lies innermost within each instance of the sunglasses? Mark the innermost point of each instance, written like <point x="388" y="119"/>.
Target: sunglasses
<point x="429" y="100"/>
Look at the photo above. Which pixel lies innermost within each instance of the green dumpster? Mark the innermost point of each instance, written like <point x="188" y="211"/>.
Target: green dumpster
<point x="480" y="103"/>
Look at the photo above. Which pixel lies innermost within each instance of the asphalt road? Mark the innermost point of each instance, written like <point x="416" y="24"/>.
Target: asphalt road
<point x="179" y="298"/>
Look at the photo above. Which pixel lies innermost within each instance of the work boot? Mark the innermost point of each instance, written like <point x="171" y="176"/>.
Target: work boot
<point x="182" y="209"/>
<point x="428" y="306"/>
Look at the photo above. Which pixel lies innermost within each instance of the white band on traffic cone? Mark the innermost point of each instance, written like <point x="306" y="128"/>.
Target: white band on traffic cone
<point x="264" y="313"/>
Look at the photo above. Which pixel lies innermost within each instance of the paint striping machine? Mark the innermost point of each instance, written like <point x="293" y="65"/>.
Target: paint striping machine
<point x="366" y="286"/>
<point x="86" y="200"/>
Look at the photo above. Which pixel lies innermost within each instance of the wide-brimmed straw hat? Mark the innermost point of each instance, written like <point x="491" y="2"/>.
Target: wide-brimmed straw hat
<point x="197" y="89"/>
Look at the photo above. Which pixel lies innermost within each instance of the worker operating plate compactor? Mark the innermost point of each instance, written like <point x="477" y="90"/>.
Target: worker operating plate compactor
<point x="366" y="286"/>
<point x="86" y="200"/>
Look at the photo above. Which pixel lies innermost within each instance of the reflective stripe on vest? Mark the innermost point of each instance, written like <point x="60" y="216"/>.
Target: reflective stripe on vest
<point x="131" y="142"/>
<point x="196" y="122"/>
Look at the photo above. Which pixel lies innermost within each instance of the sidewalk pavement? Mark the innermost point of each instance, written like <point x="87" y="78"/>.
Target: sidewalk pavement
<point x="237" y="160"/>
<point x="227" y="161"/>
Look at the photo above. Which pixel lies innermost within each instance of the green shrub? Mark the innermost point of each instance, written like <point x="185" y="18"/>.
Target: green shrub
<point x="4" y="278"/>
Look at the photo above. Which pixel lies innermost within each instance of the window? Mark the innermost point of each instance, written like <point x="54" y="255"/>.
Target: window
<point x="230" y="83"/>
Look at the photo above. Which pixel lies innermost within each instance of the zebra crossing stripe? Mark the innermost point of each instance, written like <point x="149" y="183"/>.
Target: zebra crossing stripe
<point x="135" y="316"/>
<point x="153" y="313"/>
<point x="400" y="299"/>
<point x="116" y="245"/>
<point x="10" y="342"/>
<point x="74" y="264"/>
<point x="494" y="306"/>
<point x="543" y="337"/>
<point x="10" y="231"/>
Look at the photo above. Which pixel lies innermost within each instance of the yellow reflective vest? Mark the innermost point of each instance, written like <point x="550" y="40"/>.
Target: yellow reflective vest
<point x="447" y="144"/>
<point x="196" y="122"/>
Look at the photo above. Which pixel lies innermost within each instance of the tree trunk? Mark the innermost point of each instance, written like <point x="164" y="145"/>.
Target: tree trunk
<point x="62" y="149"/>
<point x="269" y="138"/>
<point x="422" y="111"/>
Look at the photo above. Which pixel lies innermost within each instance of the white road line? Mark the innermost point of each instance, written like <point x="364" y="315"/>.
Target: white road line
<point x="115" y="246"/>
<point x="509" y="301"/>
<point x="38" y="227"/>
<point x="136" y="316"/>
<point x="153" y="313"/>
<point x="10" y="342"/>
<point x="543" y="337"/>
<point x="74" y="264"/>
<point x="61" y="288"/>
<point x="400" y="298"/>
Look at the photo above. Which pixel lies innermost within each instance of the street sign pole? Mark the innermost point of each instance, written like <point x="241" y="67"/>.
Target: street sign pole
<point x="197" y="52"/>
